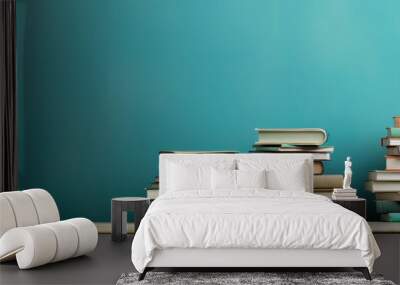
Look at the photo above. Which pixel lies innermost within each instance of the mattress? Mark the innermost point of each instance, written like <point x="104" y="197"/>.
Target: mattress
<point x="250" y="219"/>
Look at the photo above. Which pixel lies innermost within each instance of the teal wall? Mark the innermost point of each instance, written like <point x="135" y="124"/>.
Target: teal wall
<point x="104" y="85"/>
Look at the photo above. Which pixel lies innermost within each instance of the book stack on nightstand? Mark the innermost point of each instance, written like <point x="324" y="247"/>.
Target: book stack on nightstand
<point x="386" y="183"/>
<point x="344" y="194"/>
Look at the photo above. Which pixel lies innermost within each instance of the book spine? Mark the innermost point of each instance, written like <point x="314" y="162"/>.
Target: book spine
<point x="328" y="181"/>
<point x="323" y="190"/>
<point x="152" y="194"/>
<point x="391" y="217"/>
<point x="393" y="150"/>
<point x="392" y="163"/>
<point x="318" y="168"/>
<point x="388" y="196"/>
<point x="334" y="197"/>
<point x="349" y="194"/>
<point x="384" y="207"/>
<point x="396" y="121"/>
<point x="292" y="136"/>
<point x="325" y="194"/>
<point x="387" y="141"/>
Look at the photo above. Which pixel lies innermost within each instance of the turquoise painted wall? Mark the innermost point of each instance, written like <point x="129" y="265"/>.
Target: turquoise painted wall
<point x="103" y="85"/>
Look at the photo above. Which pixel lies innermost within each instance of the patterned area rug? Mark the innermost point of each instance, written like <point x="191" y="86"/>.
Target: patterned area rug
<point x="269" y="278"/>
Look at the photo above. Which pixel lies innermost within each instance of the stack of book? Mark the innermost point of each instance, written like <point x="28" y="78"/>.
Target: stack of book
<point x="153" y="188"/>
<point x="386" y="183"/>
<point x="296" y="141"/>
<point x="344" y="194"/>
<point x="311" y="141"/>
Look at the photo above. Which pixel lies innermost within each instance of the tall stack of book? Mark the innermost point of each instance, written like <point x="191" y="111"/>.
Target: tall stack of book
<point x="310" y="140"/>
<point x="386" y="183"/>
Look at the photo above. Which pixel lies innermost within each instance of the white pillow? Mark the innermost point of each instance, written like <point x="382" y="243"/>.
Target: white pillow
<point x="282" y="174"/>
<point x="223" y="179"/>
<point x="188" y="177"/>
<point x="237" y="179"/>
<point x="251" y="179"/>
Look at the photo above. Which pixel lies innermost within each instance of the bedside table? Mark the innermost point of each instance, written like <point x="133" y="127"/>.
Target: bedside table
<point x="119" y="208"/>
<point x="357" y="205"/>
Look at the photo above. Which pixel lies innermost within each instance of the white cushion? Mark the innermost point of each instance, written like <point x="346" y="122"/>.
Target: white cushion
<point x="223" y="179"/>
<point x="34" y="244"/>
<point x="26" y="208"/>
<point x="23" y="208"/>
<point x="227" y="179"/>
<point x="282" y="174"/>
<point x="46" y="207"/>
<point x="87" y="233"/>
<point x="41" y="244"/>
<point x="7" y="218"/>
<point x="251" y="178"/>
<point x="67" y="239"/>
<point x="224" y="161"/>
<point x="189" y="175"/>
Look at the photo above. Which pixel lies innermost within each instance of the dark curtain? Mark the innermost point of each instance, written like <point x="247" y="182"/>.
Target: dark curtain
<point x="8" y="151"/>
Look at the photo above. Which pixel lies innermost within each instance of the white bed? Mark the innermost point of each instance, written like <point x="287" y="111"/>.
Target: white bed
<point x="279" y="225"/>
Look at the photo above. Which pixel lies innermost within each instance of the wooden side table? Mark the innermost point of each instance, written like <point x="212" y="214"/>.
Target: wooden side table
<point x="119" y="208"/>
<point x="357" y="205"/>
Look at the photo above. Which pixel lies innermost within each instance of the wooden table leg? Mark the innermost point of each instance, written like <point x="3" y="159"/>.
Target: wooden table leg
<point x="116" y="221"/>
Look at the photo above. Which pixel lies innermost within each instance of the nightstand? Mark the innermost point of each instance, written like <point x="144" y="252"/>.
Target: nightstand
<point x="357" y="205"/>
<point x="119" y="208"/>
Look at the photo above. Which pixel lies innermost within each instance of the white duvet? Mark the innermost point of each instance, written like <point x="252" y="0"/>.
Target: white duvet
<point x="250" y="218"/>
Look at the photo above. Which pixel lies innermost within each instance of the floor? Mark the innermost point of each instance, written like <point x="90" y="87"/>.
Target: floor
<point x="103" y="266"/>
<point x="110" y="259"/>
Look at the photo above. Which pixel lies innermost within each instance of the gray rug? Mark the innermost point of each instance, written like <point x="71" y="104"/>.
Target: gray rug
<point x="269" y="278"/>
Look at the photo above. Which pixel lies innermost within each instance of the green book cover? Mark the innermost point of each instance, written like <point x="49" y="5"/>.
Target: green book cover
<point x="393" y="132"/>
<point x="385" y="206"/>
<point x="305" y="136"/>
<point x="391" y="217"/>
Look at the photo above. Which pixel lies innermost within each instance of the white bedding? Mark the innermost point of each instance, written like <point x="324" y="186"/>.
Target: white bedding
<point x="251" y="218"/>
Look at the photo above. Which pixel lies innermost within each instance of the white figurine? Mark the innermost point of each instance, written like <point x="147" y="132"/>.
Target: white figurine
<point x="348" y="173"/>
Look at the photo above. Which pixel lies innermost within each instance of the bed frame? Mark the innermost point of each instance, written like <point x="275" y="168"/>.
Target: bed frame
<point x="242" y="259"/>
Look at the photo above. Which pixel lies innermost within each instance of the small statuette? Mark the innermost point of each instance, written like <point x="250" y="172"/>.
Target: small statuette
<point x="347" y="192"/>
<point x="348" y="173"/>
